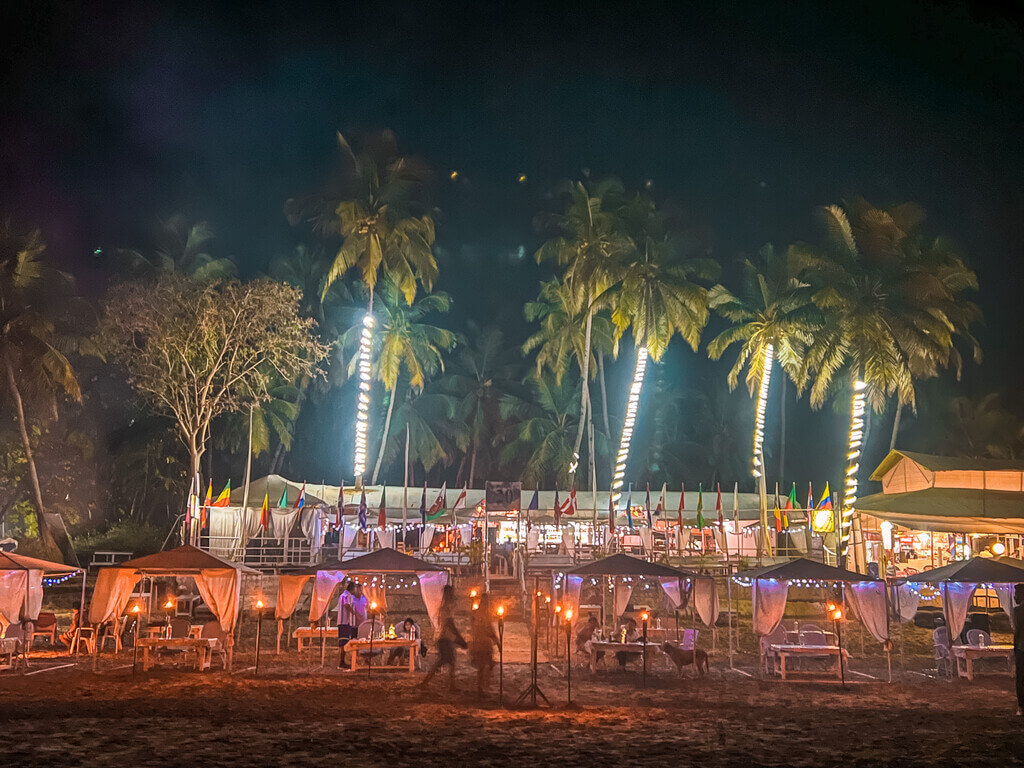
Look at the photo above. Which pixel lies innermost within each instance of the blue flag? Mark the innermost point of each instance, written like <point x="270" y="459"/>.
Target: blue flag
<point x="423" y="506"/>
<point x="629" y="507"/>
<point x="647" y="506"/>
<point x="362" y="511"/>
<point x="534" y="502"/>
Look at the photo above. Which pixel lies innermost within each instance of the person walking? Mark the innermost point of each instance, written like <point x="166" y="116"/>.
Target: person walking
<point x="347" y="621"/>
<point x="482" y="644"/>
<point x="448" y="639"/>
<point x="1018" y="644"/>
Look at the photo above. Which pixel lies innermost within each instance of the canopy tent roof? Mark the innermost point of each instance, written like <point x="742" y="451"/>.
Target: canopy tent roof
<point x="317" y="493"/>
<point x="9" y="561"/>
<point x="802" y="569"/>
<point x="183" y="561"/>
<point x="949" y="510"/>
<point x="624" y="565"/>
<point x="977" y="570"/>
<point x="946" y="463"/>
<point x="386" y="560"/>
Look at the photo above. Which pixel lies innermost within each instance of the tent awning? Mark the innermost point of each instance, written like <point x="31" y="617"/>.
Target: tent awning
<point x="386" y="560"/>
<point x="977" y="570"/>
<point x="802" y="569"/>
<point x="624" y="565"/>
<point x="182" y="561"/>
<point x="9" y="561"/>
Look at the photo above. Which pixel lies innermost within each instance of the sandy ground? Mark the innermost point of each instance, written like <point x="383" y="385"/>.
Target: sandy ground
<point x="296" y="716"/>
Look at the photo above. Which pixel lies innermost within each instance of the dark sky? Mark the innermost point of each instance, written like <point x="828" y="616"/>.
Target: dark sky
<point x="747" y="114"/>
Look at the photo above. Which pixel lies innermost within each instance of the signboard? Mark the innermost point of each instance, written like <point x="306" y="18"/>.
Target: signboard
<point x="503" y="497"/>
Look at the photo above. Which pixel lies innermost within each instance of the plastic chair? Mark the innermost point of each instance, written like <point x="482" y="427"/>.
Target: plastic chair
<point x="363" y="633"/>
<point x="976" y="637"/>
<point x="809" y="627"/>
<point x="46" y="626"/>
<point x="940" y="638"/>
<point x="17" y="633"/>
<point x="213" y="630"/>
<point x="180" y="627"/>
<point x="113" y="634"/>
<point x="813" y="638"/>
<point x="776" y="637"/>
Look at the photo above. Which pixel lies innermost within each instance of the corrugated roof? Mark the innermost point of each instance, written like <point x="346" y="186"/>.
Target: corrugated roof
<point x="935" y="463"/>
<point x="949" y="510"/>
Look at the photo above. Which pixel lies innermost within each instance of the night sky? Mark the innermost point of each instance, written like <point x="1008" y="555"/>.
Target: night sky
<point x="748" y="115"/>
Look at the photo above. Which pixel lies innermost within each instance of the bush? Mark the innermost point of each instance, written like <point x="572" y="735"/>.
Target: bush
<point x="122" y="536"/>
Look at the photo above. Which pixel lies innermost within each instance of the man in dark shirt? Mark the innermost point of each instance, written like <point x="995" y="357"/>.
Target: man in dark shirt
<point x="1018" y="643"/>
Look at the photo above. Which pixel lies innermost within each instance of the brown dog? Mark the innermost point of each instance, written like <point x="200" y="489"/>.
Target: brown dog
<point x="685" y="658"/>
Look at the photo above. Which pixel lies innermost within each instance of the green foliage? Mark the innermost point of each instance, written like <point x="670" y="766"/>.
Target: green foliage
<point x="122" y="536"/>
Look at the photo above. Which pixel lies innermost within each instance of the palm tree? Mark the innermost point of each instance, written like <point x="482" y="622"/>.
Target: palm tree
<point x="773" y="319"/>
<point x="406" y="343"/>
<point x="480" y="376"/>
<point x="32" y="348"/>
<point x="182" y="247"/>
<point x="306" y="269"/>
<point x="589" y="241"/>
<point x="274" y="418"/>
<point x="542" y="448"/>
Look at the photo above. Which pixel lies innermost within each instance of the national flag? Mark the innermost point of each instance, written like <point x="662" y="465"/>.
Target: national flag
<point x="662" y="503"/>
<point x="778" y="511"/>
<point x="682" y="504"/>
<point x="282" y="503"/>
<point x="440" y="505"/>
<point x="611" y="513"/>
<point x="629" y="507"/>
<point x="423" y="505"/>
<point x="225" y="497"/>
<point x="533" y="507"/>
<point x="569" y="505"/>
<point x="558" y="509"/>
<point x="382" y="518"/>
<point x="301" y="501"/>
<point x="460" y="503"/>
<point x="700" y="505"/>
<point x="718" y="508"/>
<point x="362" y="511"/>
<point x="647" y="506"/>
<point x="826" y="499"/>
<point x="265" y="513"/>
<point x="339" y="519"/>
<point x="791" y="500"/>
<point x="810" y="503"/>
<point x="823" y="520"/>
<point x="207" y="505"/>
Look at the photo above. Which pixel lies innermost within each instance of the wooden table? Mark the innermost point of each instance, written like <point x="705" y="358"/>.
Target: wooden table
<point x="353" y="647"/>
<point x="966" y="655"/>
<point x="311" y="634"/>
<point x="611" y="648"/>
<point x="201" y="646"/>
<point x="785" y="650"/>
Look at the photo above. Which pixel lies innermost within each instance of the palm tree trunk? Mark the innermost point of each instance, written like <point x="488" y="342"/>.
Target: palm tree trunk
<point x="45" y="536"/>
<point x="384" y="438"/>
<point x="585" y="373"/>
<point x="604" y="400"/>
<point x="472" y="465"/>
<point x="896" y="424"/>
<point x="275" y="465"/>
<point x="782" y="431"/>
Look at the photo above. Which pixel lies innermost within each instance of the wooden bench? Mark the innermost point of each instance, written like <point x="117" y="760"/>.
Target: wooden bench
<point x="101" y="559"/>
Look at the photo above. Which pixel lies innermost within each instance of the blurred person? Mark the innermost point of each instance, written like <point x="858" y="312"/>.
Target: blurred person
<point x="448" y="639"/>
<point x="347" y="620"/>
<point x="483" y="643"/>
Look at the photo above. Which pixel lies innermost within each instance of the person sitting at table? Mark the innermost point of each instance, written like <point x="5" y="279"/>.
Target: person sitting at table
<point x="632" y="636"/>
<point x="586" y="635"/>
<point x="67" y="638"/>
<point x="409" y="630"/>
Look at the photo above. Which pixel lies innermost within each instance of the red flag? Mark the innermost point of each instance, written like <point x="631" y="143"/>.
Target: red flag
<point x="569" y="505"/>
<point x="265" y="513"/>
<point x="718" y="508"/>
<point x="382" y="520"/>
<point x="558" y="509"/>
<point x="682" y="503"/>
<point x="611" y="514"/>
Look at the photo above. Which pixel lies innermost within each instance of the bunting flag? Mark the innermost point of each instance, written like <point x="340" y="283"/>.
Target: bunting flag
<point x="810" y="503"/>
<point x="534" y="507"/>
<point x="460" y="503"/>
<point x="382" y="517"/>
<point x="662" y="503"/>
<point x="207" y="505"/>
<point x="823" y="520"/>
<point x="718" y="508"/>
<point x="225" y="497"/>
<point x="790" y="504"/>
<point x="558" y="509"/>
<point x="423" y="506"/>
<point x="778" y="511"/>
<point x="339" y="519"/>
<point x="611" y="514"/>
<point x="647" y="507"/>
<point x="301" y="501"/>
<point x="265" y="513"/>
<point x="569" y="505"/>
<point x="440" y="505"/>
<point x="629" y="507"/>
<point x="362" y="511"/>
<point x="682" y="503"/>
<point x="700" y="505"/>
<point x="283" y="501"/>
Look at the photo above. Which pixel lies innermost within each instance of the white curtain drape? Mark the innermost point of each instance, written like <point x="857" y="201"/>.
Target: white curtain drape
<point x="683" y="539"/>
<point x="868" y="601"/>
<point x="623" y="591"/>
<point x="1005" y="594"/>
<point x="323" y="591"/>
<point x="426" y="537"/>
<point x="350" y="532"/>
<point x="465" y="533"/>
<point x="432" y="584"/>
<point x="220" y="589"/>
<point x="386" y="537"/>
<point x="111" y="594"/>
<point x="956" y="599"/>
<point x="247" y="525"/>
<point x="768" y="598"/>
<point x="705" y="600"/>
<point x="647" y="538"/>
<point x="573" y="587"/>
<point x="673" y="590"/>
<point x="33" y="596"/>
<point x="907" y="599"/>
<point x="289" y="590"/>
<point x="569" y="540"/>
<point x="13" y="585"/>
<point x="281" y="521"/>
<point x="533" y="539"/>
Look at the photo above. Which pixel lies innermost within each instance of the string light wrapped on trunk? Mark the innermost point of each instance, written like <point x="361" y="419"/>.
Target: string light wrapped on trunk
<point x="363" y="405"/>
<point x="762" y="406"/>
<point x="632" y="404"/>
<point x="852" y="466"/>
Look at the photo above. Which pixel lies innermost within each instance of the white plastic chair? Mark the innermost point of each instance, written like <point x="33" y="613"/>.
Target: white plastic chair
<point x="940" y="638"/>
<point x="976" y="636"/>
<point x="813" y="638"/>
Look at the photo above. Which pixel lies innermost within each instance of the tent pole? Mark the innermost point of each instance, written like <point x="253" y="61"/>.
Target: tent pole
<point x="728" y="589"/>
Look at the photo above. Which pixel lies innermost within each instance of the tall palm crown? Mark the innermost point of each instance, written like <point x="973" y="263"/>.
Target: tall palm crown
<point x="541" y="451"/>
<point x="774" y="309"/>
<point x="377" y="204"/>
<point x="561" y="339"/>
<point x="893" y="303"/>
